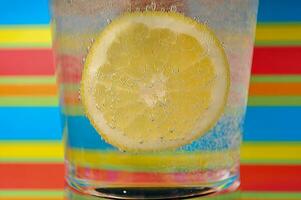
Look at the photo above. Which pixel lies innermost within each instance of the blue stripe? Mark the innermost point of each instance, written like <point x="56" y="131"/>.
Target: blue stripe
<point x="273" y="124"/>
<point x="30" y="123"/>
<point x="279" y="11"/>
<point x="24" y="12"/>
<point x="37" y="11"/>
<point x="81" y="134"/>
<point x="262" y="124"/>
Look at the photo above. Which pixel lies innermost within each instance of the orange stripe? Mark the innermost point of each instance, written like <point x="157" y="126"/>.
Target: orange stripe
<point x="28" y="90"/>
<point x="256" y="89"/>
<point x="275" y="89"/>
<point x="71" y="98"/>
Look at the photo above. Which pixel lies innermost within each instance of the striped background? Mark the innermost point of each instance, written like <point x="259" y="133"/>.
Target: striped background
<point x="31" y="152"/>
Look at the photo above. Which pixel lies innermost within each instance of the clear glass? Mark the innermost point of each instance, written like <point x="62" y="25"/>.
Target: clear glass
<point x="208" y="164"/>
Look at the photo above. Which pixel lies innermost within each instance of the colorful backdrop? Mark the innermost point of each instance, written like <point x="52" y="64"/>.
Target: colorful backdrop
<point x="31" y="154"/>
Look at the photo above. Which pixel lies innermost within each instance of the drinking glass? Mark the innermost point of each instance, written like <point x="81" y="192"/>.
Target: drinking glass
<point x="153" y="94"/>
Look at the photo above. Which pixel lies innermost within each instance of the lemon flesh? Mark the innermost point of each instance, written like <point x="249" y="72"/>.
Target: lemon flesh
<point x="154" y="81"/>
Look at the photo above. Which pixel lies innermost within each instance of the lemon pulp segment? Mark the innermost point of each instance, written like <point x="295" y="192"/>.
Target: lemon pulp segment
<point x="154" y="81"/>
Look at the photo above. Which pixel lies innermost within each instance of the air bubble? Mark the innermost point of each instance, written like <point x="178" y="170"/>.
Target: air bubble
<point x="223" y="45"/>
<point x="88" y="48"/>
<point x="172" y="130"/>
<point x="173" y="8"/>
<point x="97" y="107"/>
<point x="79" y="96"/>
<point x="153" y="6"/>
<point x="147" y="8"/>
<point x="112" y="126"/>
<point x="108" y="21"/>
<point x="83" y="60"/>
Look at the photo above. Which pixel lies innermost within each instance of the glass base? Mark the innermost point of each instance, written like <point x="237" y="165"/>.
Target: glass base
<point x="181" y="192"/>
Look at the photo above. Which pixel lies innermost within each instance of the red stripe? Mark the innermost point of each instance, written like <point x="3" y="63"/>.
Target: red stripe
<point x="267" y="60"/>
<point x="71" y="68"/>
<point x="271" y="178"/>
<point x="31" y="176"/>
<point x="26" y="62"/>
<point x="51" y="176"/>
<point x="277" y="60"/>
<point x="110" y="177"/>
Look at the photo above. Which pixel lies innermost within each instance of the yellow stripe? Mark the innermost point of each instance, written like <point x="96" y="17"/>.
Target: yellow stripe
<point x="161" y="161"/>
<point x="42" y="34"/>
<point x="271" y="151"/>
<point x="288" y="153"/>
<point x="74" y="43"/>
<point x="12" y="150"/>
<point x="25" y="35"/>
<point x="276" y="32"/>
<point x="47" y="150"/>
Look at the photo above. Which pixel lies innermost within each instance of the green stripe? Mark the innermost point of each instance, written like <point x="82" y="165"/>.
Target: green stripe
<point x="52" y="80"/>
<point x="25" y="45"/>
<point x="32" y="160"/>
<point x="274" y="101"/>
<point x="270" y="195"/>
<point x="27" y="26"/>
<point x="75" y="196"/>
<point x="277" y="43"/>
<point x="21" y="80"/>
<point x="276" y="78"/>
<point x="29" y="101"/>
<point x="31" y="193"/>
<point x="232" y="195"/>
<point x="79" y="110"/>
<point x="266" y="24"/>
<point x="74" y="110"/>
<point x="70" y="87"/>
<point x="228" y="196"/>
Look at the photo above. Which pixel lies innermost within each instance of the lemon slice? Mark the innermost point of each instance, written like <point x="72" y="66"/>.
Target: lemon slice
<point x="154" y="81"/>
